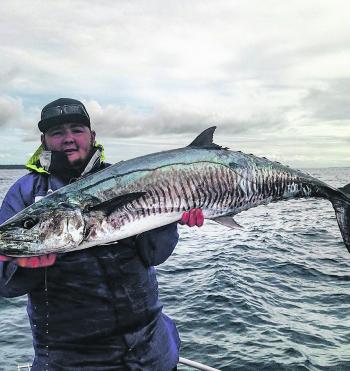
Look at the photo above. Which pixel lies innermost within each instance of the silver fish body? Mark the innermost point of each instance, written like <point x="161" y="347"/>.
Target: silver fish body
<point x="137" y="195"/>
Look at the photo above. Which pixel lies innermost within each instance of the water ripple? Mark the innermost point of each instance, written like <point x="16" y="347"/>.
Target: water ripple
<point x="275" y="296"/>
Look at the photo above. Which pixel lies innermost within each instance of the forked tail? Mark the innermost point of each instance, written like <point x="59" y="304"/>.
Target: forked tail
<point x="341" y="204"/>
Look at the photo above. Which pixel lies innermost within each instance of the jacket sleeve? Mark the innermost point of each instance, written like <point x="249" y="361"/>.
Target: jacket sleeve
<point x="19" y="196"/>
<point x="16" y="281"/>
<point x="157" y="245"/>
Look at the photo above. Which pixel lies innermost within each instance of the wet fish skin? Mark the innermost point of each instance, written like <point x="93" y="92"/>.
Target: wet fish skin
<point x="133" y="196"/>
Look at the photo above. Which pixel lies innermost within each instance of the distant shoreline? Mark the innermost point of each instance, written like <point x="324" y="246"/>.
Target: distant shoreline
<point x="12" y="167"/>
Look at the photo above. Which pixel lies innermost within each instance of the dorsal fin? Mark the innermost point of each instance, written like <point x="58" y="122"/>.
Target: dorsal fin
<point x="205" y="140"/>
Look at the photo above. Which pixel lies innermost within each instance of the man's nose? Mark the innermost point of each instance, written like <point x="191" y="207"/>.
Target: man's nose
<point x="68" y="137"/>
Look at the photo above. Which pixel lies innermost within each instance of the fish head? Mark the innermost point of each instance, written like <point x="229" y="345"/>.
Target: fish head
<point x="42" y="230"/>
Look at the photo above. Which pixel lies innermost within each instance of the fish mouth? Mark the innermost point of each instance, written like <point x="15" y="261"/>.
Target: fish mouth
<point x="13" y="241"/>
<point x="16" y="240"/>
<point x="9" y="238"/>
<point x="15" y="249"/>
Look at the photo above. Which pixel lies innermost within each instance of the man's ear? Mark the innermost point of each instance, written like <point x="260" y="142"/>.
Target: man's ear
<point x="93" y="137"/>
<point x="42" y="138"/>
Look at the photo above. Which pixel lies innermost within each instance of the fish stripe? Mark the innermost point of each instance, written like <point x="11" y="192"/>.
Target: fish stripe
<point x="157" y="191"/>
<point x="198" y="189"/>
<point x="221" y="190"/>
<point x="164" y="203"/>
<point x="184" y="193"/>
<point x="190" y="188"/>
<point x="224" y="187"/>
<point x="135" y="214"/>
<point x="142" y="207"/>
<point x="203" y="191"/>
<point x="153" y="200"/>
<point x="212" y="179"/>
<point x="207" y="187"/>
<point x="147" y="206"/>
<point x="178" y="197"/>
<point x="171" y="197"/>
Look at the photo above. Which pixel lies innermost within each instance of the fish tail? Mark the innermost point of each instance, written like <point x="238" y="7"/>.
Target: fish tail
<point x="341" y="204"/>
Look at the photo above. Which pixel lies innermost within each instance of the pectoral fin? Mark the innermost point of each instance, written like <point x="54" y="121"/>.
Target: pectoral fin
<point x="228" y="221"/>
<point x="114" y="203"/>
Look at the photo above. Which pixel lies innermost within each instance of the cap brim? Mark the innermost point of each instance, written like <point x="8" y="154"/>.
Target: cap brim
<point x="46" y="124"/>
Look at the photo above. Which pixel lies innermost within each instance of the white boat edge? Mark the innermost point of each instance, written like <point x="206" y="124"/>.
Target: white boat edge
<point x="182" y="361"/>
<point x="196" y="365"/>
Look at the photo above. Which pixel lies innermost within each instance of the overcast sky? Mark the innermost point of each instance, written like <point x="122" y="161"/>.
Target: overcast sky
<point x="273" y="76"/>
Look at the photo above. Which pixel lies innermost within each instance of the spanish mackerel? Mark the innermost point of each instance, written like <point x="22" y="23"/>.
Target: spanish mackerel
<point x="140" y="194"/>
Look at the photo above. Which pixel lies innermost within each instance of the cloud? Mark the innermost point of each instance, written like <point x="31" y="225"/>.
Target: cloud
<point x="8" y="77"/>
<point x="141" y="44"/>
<point x="264" y="73"/>
<point x="11" y="111"/>
<point x="121" y="122"/>
<point x="330" y="101"/>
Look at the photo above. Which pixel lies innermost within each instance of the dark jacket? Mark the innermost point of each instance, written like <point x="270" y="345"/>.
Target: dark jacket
<point x="95" y="309"/>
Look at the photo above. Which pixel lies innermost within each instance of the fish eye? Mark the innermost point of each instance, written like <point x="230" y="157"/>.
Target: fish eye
<point x="29" y="223"/>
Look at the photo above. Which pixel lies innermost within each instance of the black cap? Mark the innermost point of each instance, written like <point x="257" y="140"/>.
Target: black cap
<point x="63" y="111"/>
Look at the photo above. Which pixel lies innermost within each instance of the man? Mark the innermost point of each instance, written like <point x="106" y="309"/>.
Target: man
<point x="94" y="309"/>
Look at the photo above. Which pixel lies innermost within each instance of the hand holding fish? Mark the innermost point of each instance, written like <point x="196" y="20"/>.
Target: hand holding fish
<point x="192" y="217"/>
<point x="32" y="262"/>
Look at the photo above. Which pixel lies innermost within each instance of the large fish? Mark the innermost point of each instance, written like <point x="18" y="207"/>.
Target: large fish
<point x="137" y="195"/>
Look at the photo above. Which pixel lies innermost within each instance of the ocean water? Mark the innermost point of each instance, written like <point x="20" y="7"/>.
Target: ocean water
<point x="274" y="296"/>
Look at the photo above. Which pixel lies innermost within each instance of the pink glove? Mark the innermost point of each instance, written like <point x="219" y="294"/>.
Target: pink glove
<point x="192" y="218"/>
<point x="33" y="261"/>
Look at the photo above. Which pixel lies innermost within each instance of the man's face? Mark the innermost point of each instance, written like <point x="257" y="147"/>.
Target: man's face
<point x="75" y="140"/>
